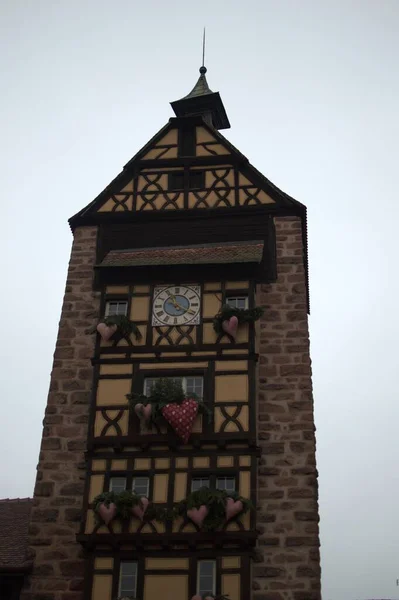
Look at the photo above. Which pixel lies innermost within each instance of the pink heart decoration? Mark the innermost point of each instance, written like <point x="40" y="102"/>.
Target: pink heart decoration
<point x="233" y="508"/>
<point x="181" y="417"/>
<point x="139" y="510"/>
<point x="196" y="597"/>
<point x="143" y="411"/>
<point x="197" y="515"/>
<point x="107" y="513"/>
<point x="106" y="331"/>
<point x="230" y="326"/>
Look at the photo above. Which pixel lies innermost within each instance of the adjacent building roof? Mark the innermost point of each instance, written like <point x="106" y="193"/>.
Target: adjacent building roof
<point x="14" y="523"/>
<point x="222" y="253"/>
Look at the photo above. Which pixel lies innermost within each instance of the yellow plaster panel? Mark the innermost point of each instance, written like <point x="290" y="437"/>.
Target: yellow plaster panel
<point x="150" y="366"/>
<point x="103" y="563"/>
<point x="156" y="182"/>
<point x="140" y="307"/>
<point x="243" y="417"/>
<point x="197" y="425"/>
<point x="117" y="289"/>
<point x="177" y="353"/>
<point x="166" y="563"/>
<point x="225" y="461"/>
<point x="210" y="287"/>
<point x="211" y="305"/>
<point x="237" y="285"/>
<point x="96" y="486"/>
<point x="142" y="463"/>
<point x="160" y="488"/>
<point x="209" y="335"/>
<point x="231" y="562"/>
<point x="227" y="351"/>
<point x="100" y="422"/>
<point x="167" y="587"/>
<point x="231" y="365"/>
<point x="231" y="586"/>
<point x="107" y="206"/>
<point x="113" y="391"/>
<point x="177" y="523"/>
<point x="128" y="187"/>
<point x="245" y="461"/>
<point x="90" y="521"/>
<point x="203" y="135"/>
<point x="245" y="484"/>
<point x="214" y="149"/>
<point x="242" y="334"/>
<point x="260" y="197"/>
<point x="102" y="587"/>
<point x="243" y="180"/>
<point x="162" y="463"/>
<point x="230" y="388"/>
<point x="141" y="289"/>
<point x="201" y="462"/>
<point x="205" y="353"/>
<point x="119" y="465"/>
<point x="116" y="369"/>
<point x="246" y="520"/>
<point x="180" y="486"/>
<point x="226" y="174"/>
<point x="98" y="465"/>
<point x="181" y="463"/>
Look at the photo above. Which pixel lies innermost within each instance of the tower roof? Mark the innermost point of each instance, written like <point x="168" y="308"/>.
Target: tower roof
<point x="202" y="101"/>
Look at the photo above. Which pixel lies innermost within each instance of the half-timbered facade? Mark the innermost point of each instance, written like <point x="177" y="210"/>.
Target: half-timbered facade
<point x="188" y="227"/>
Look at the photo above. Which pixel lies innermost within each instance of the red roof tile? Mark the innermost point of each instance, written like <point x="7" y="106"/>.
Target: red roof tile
<point x="14" y="523"/>
<point x="222" y="253"/>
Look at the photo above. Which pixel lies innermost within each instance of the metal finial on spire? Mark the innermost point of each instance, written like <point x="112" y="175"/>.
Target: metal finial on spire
<point x="203" y="67"/>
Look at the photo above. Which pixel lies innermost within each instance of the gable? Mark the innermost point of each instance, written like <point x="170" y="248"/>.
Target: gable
<point x="175" y="173"/>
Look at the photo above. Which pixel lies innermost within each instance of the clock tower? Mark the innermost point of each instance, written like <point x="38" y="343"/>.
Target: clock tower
<point x="178" y="450"/>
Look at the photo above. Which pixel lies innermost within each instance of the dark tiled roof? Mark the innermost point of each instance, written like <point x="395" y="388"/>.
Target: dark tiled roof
<point x="14" y="522"/>
<point x="232" y="252"/>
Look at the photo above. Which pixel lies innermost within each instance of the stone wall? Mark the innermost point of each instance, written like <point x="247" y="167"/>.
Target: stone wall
<point x="287" y="566"/>
<point x="58" y="560"/>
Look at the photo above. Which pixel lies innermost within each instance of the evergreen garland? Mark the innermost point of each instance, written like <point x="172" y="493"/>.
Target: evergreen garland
<point x="165" y="391"/>
<point x="124" y="324"/>
<point x="215" y="501"/>
<point x="124" y="502"/>
<point x="244" y="315"/>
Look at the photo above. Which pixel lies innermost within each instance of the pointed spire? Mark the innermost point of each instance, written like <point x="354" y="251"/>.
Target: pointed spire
<point x="202" y="101"/>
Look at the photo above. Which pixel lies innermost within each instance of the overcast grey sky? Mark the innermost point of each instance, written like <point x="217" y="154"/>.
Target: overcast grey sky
<point x="311" y="90"/>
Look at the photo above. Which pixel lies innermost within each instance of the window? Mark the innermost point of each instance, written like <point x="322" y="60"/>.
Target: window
<point x="191" y="385"/>
<point x="226" y="483"/>
<point x="206" y="577"/>
<point x="141" y="485"/>
<point x="116" y="307"/>
<point x="187" y="141"/>
<point x="237" y="301"/>
<point x="117" y="484"/>
<point x="128" y="579"/>
<point x="199" y="482"/>
<point x="196" y="180"/>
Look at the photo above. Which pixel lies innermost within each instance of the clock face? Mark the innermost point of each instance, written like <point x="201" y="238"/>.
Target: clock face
<point x="176" y="305"/>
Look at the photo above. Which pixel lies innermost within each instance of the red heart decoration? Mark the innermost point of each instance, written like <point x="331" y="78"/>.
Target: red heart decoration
<point x="233" y="508"/>
<point x="181" y="417"/>
<point x="139" y="510"/>
<point x="230" y="326"/>
<point x="143" y="411"/>
<point x="197" y="515"/>
<point x="107" y="513"/>
<point x="106" y="331"/>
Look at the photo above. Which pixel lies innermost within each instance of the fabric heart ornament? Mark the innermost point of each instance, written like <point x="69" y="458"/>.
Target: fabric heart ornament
<point x="143" y="411"/>
<point x="139" y="510"/>
<point x="106" y="331"/>
<point x="230" y="326"/>
<point x="197" y="515"/>
<point x="196" y="597"/>
<point x="233" y="508"/>
<point x="107" y="513"/>
<point x="181" y="417"/>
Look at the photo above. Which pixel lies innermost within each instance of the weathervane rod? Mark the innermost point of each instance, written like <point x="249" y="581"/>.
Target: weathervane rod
<point x="203" y="49"/>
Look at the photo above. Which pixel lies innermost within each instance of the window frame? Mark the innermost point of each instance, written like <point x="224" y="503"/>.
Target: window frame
<point x="136" y="575"/>
<point x="184" y="382"/>
<point x="199" y="590"/>
<point x="174" y="186"/>
<point x="147" y="494"/>
<point x="117" y="477"/>
<point x="244" y="297"/>
<point x="116" y="301"/>
<point x="200" y="477"/>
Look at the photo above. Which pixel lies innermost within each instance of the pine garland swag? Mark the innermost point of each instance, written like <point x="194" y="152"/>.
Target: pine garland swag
<point x="244" y="315"/>
<point x="125" y="326"/>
